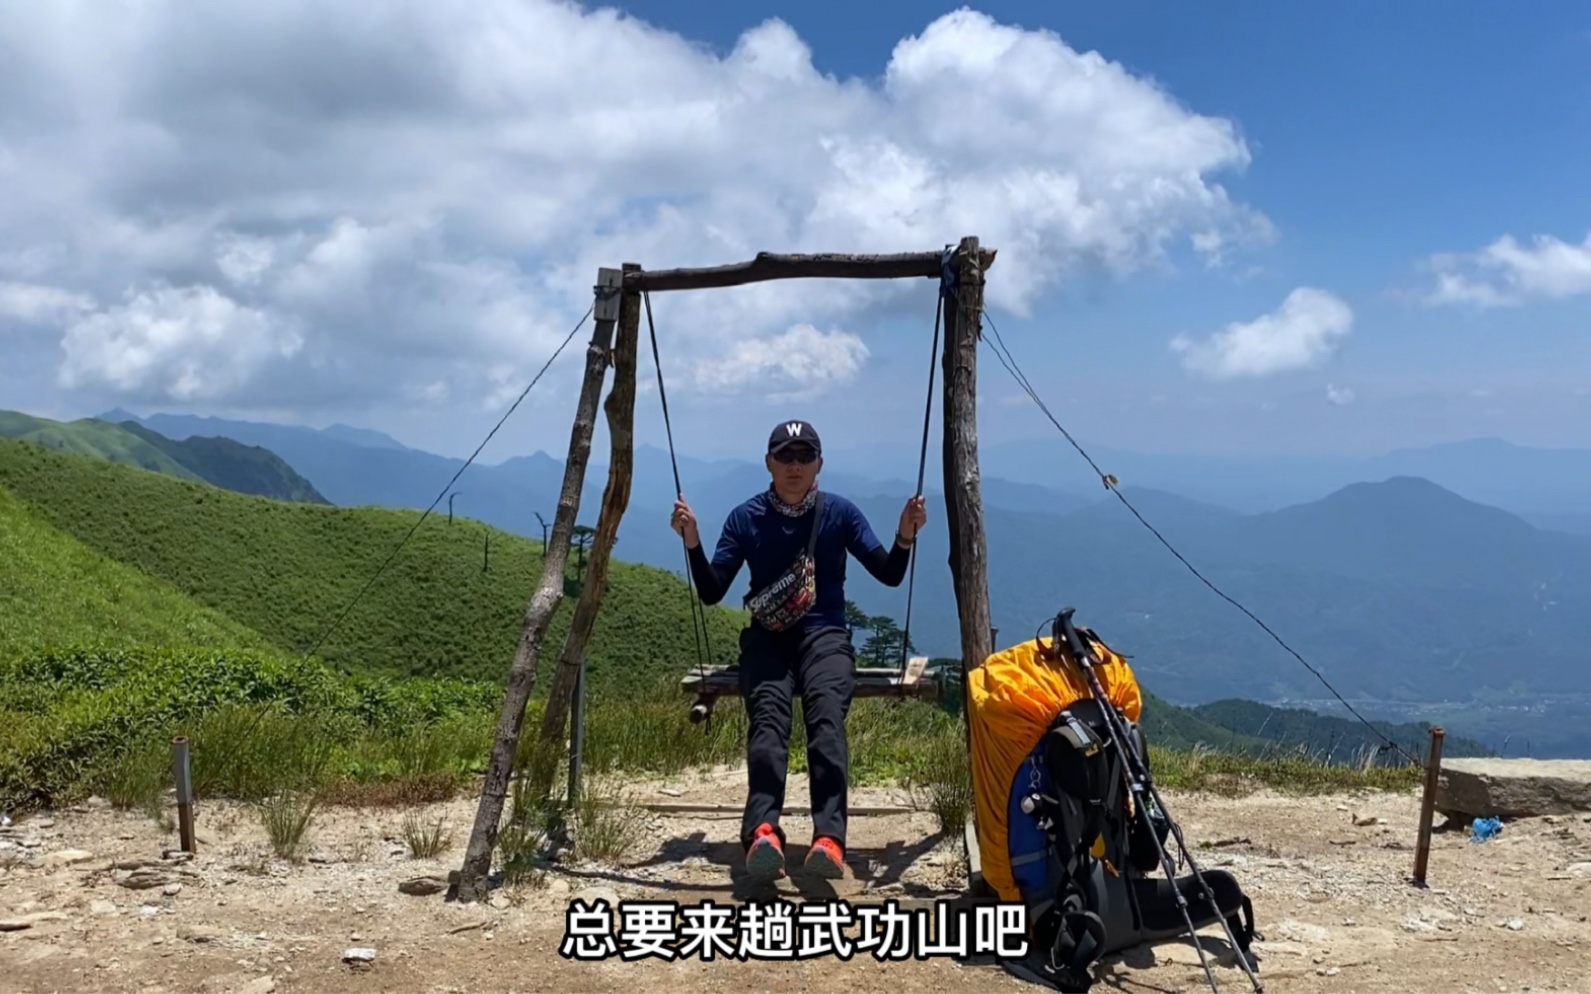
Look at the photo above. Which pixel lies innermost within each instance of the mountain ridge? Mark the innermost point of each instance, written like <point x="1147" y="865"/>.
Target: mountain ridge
<point x="221" y="461"/>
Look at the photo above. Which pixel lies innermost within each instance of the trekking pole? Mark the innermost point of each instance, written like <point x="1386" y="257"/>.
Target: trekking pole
<point x="1140" y="783"/>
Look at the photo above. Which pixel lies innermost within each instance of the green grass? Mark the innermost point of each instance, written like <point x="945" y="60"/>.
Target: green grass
<point x="1290" y="771"/>
<point x="54" y="589"/>
<point x="77" y="722"/>
<point x="91" y="437"/>
<point x="286" y="570"/>
<point x="221" y="462"/>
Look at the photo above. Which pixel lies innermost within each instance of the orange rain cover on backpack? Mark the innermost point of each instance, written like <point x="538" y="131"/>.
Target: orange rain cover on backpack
<point x="1012" y="699"/>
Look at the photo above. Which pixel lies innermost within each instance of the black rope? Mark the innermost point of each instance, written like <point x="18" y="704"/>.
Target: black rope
<point x="1110" y="483"/>
<point x="697" y="609"/>
<point x="922" y="466"/>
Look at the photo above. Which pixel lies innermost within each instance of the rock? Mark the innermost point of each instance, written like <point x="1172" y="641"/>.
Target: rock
<point x="358" y="956"/>
<point x="1514" y="924"/>
<point x="259" y="985"/>
<point x="199" y="933"/>
<point x="142" y="879"/>
<point x="101" y="908"/>
<point x="22" y="922"/>
<point x="561" y="886"/>
<point x="66" y="857"/>
<point x="423" y="886"/>
<point x="1304" y="932"/>
<point x="171" y="890"/>
<point x="1280" y="948"/>
<point x="591" y="895"/>
<point x="1513" y="788"/>
<point x="1579" y="869"/>
<point x="499" y="902"/>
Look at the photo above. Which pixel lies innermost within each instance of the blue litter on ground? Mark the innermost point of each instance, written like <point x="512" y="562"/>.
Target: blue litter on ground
<point x="1482" y="829"/>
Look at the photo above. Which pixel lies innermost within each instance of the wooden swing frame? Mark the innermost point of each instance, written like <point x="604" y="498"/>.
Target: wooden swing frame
<point x="615" y="343"/>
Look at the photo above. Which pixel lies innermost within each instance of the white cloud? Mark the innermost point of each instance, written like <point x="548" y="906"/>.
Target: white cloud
<point x="801" y="362"/>
<point x="423" y="191"/>
<point x="1507" y="273"/>
<point x="189" y="344"/>
<point x="1303" y="331"/>
<point x="1341" y="396"/>
<point x="30" y="303"/>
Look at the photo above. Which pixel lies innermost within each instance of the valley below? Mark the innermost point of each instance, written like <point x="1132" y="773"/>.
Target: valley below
<point x="1553" y="727"/>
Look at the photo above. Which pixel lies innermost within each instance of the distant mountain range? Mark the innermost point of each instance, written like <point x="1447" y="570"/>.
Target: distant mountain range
<point x="1393" y="589"/>
<point x="1551" y="488"/>
<point x="219" y="461"/>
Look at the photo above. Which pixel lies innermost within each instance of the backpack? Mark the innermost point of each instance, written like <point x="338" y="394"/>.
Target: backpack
<point x="1077" y="792"/>
<point x="1093" y="896"/>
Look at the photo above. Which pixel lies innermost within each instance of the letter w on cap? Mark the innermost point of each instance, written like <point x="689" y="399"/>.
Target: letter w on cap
<point x="793" y="428"/>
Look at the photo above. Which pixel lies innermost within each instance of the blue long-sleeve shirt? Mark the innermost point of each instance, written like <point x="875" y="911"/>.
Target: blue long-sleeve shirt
<point x="758" y="535"/>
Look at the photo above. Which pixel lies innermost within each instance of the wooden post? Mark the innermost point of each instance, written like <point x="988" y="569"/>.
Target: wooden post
<point x="472" y="876"/>
<point x="963" y="487"/>
<point x="620" y="410"/>
<point x="964" y="510"/>
<point x="1422" y="851"/>
<point x="183" y="779"/>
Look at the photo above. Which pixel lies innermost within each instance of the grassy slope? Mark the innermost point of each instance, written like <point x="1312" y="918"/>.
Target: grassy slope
<point x="286" y="570"/>
<point x="53" y="589"/>
<point x="93" y="438"/>
<point x="222" y="462"/>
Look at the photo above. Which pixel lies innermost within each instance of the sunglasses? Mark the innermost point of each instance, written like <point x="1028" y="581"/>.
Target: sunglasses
<point x="802" y="456"/>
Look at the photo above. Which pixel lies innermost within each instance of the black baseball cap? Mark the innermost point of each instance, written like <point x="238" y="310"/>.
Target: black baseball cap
<point x="788" y="433"/>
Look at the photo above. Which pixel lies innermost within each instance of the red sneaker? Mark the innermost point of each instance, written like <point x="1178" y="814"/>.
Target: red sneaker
<point x="826" y="858"/>
<point x="765" y="858"/>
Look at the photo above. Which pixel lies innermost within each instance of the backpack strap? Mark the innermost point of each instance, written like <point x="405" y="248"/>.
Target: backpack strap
<point x="817" y="524"/>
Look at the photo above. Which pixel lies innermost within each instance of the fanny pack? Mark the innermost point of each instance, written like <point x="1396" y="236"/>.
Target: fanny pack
<point x="787" y="599"/>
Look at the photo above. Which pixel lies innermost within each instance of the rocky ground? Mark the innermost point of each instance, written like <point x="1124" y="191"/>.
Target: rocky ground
<point x="88" y="902"/>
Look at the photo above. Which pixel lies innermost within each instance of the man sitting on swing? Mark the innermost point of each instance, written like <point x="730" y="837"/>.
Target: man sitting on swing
<point x="794" y="538"/>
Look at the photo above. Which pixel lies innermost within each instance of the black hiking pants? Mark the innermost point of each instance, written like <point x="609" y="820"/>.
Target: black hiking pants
<point x="774" y="666"/>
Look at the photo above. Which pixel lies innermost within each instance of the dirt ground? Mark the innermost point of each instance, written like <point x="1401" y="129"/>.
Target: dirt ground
<point x="1328" y="877"/>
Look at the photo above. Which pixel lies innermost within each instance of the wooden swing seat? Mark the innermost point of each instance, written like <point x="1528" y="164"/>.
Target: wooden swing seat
<point x="871" y="681"/>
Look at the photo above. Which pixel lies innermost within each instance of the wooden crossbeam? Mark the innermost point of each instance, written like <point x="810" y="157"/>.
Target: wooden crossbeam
<point x="773" y="266"/>
<point x="871" y="681"/>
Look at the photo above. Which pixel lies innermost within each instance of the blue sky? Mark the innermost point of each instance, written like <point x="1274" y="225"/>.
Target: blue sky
<point x="1381" y="134"/>
<point x="1376" y="137"/>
